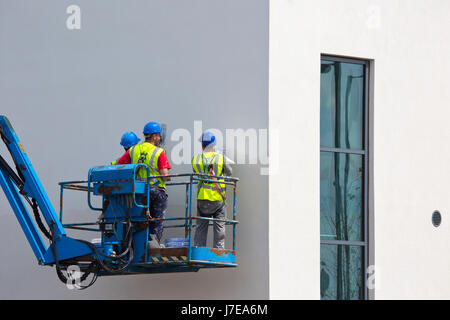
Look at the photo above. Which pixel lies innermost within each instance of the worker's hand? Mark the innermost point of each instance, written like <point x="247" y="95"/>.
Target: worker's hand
<point x="164" y="172"/>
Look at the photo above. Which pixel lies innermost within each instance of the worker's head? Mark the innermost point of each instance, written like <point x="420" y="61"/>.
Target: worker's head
<point x="208" y="140"/>
<point x="128" y="140"/>
<point x="152" y="133"/>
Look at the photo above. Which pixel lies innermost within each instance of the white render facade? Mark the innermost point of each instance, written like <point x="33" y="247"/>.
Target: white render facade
<point x="253" y="65"/>
<point x="407" y="46"/>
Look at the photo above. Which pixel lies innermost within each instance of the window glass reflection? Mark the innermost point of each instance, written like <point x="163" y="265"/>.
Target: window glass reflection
<point x="341" y="105"/>
<point x="341" y="196"/>
<point x="341" y="272"/>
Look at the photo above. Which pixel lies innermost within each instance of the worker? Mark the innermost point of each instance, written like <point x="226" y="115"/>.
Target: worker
<point x="128" y="140"/>
<point x="211" y="196"/>
<point x="151" y="154"/>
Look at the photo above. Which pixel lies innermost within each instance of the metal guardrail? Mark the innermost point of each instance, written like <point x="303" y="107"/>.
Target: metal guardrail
<point x="193" y="179"/>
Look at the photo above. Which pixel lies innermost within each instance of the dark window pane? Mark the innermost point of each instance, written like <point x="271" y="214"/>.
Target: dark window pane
<point x="341" y="196"/>
<point x="341" y="272"/>
<point x="341" y="105"/>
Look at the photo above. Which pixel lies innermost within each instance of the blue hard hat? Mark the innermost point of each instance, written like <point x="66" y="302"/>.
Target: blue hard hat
<point x="208" y="139"/>
<point x="152" y="127"/>
<point x="129" y="139"/>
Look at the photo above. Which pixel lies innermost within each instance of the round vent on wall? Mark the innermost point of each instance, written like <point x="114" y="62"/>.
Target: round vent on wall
<point x="436" y="218"/>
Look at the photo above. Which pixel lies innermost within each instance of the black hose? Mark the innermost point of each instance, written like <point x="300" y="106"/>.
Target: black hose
<point x="94" y="266"/>
<point x="118" y="256"/>
<point x="35" y="207"/>
<point x="59" y="272"/>
<point x="18" y="181"/>
<point x="109" y="268"/>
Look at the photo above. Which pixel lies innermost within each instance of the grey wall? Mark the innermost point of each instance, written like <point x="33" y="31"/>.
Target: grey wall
<point x="71" y="94"/>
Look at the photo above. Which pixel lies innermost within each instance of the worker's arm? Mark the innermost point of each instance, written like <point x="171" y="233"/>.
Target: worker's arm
<point x="164" y="166"/>
<point x="124" y="159"/>
<point x="227" y="170"/>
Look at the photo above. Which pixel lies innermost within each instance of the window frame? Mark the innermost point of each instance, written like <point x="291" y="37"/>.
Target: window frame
<point x="364" y="152"/>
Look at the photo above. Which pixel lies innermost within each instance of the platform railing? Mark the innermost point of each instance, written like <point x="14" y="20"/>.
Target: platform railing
<point x="193" y="179"/>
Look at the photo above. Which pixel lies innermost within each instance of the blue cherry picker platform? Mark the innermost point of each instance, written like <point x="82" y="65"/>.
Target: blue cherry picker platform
<point x="123" y="221"/>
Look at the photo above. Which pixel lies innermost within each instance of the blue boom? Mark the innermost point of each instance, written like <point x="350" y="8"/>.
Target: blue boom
<point x="125" y="244"/>
<point x="27" y="184"/>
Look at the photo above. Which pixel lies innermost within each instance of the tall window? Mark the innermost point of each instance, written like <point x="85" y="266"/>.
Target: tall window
<point x="343" y="177"/>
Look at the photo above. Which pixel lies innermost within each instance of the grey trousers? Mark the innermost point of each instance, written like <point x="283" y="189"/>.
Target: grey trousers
<point x="210" y="209"/>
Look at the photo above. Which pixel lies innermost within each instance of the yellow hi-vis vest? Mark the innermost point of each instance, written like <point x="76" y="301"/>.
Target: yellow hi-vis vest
<point x="201" y="164"/>
<point x="148" y="154"/>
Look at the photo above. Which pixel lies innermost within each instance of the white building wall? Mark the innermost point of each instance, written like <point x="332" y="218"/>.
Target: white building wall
<point x="409" y="45"/>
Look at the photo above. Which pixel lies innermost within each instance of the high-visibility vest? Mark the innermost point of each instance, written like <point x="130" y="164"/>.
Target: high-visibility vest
<point x="202" y="163"/>
<point x="147" y="154"/>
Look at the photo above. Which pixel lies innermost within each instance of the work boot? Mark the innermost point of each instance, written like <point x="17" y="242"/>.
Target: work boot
<point x="153" y="243"/>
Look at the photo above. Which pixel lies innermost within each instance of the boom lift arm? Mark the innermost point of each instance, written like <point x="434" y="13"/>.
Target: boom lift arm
<point x="124" y="222"/>
<point x="26" y="185"/>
